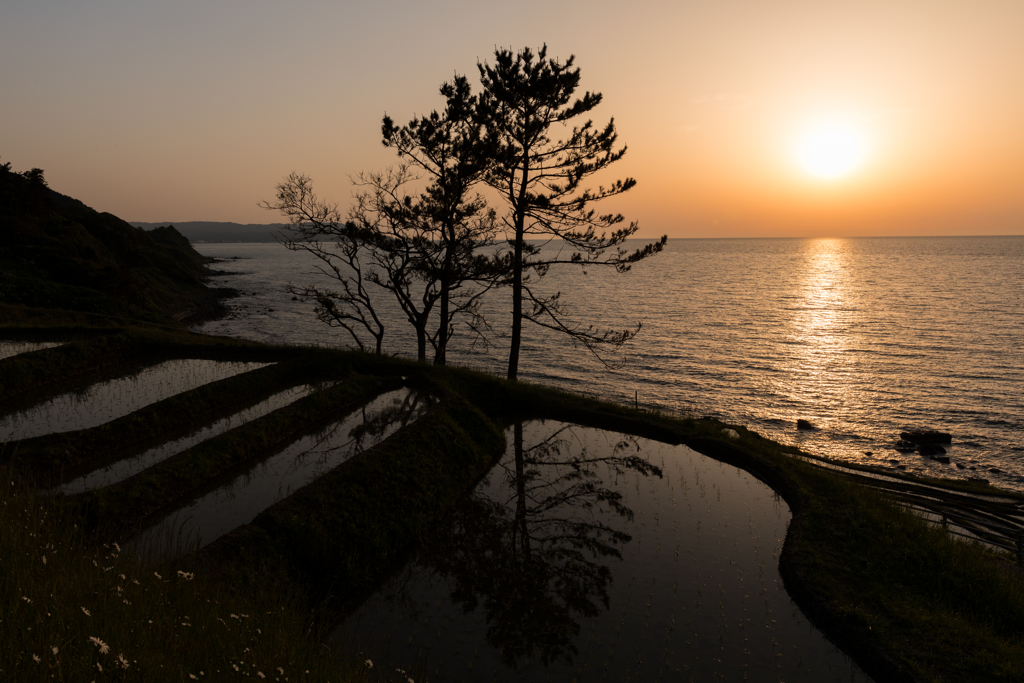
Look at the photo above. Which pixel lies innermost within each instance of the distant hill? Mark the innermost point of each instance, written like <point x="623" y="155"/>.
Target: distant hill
<point x="57" y="253"/>
<point x="208" y="231"/>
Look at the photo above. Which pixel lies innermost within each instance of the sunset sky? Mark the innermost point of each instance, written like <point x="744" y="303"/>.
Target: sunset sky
<point x="161" y="111"/>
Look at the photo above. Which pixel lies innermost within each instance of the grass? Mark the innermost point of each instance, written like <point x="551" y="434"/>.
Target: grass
<point x="74" y="611"/>
<point x="902" y="597"/>
<point x="934" y="607"/>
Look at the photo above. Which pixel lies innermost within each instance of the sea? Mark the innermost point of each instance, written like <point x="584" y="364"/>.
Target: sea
<point x="863" y="337"/>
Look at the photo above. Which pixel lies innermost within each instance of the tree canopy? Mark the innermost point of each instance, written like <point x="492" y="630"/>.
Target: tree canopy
<point x="426" y="249"/>
<point x="523" y="136"/>
<point x="526" y="101"/>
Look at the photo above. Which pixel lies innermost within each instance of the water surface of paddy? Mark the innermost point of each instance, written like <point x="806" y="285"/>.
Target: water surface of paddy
<point x="15" y="348"/>
<point x="105" y="401"/>
<point x="589" y="555"/>
<point x="227" y="507"/>
<point x="123" y="469"/>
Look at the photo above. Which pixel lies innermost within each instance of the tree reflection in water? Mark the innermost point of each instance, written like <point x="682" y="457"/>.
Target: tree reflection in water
<point x="524" y="581"/>
<point x="533" y="549"/>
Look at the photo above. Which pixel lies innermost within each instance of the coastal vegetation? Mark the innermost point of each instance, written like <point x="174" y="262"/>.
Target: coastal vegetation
<point x="430" y="250"/>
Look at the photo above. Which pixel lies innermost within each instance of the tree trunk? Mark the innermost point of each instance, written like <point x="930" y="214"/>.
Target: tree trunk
<point x="517" y="269"/>
<point x="517" y="308"/>
<point x="421" y="342"/>
<point x="440" y="357"/>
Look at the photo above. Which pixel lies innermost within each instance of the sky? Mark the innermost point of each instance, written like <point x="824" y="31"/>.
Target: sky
<point x="189" y="110"/>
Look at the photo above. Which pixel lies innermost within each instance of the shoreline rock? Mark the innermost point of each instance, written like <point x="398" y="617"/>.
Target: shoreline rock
<point x="926" y="436"/>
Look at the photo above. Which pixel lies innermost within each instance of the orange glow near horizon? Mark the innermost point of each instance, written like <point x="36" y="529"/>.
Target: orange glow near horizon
<point x="715" y="101"/>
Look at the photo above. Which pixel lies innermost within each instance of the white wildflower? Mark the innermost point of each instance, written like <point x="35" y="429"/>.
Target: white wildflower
<point x="104" y="648"/>
<point x="188" y="576"/>
<point x="369" y="663"/>
<point x="55" y="650"/>
<point x="36" y="658"/>
<point x="122" y="660"/>
<point x="28" y="600"/>
<point x="86" y="612"/>
<point x="260" y="674"/>
<point x="157" y="575"/>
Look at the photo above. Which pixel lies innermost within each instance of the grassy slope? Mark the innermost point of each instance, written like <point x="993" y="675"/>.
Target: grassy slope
<point x="58" y="253"/>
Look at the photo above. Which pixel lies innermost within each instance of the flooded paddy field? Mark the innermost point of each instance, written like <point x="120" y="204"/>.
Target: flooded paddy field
<point x="128" y="467"/>
<point x="591" y="555"/>
<point x="100" y="402"/>
<point x="9" y="349"/>
<point x="238" y="501"/>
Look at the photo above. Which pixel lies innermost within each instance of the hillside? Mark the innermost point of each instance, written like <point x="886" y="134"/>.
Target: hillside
<point x="57" y="253"/>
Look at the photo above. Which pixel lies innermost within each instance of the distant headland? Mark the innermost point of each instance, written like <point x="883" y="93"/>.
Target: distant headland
<point x="210" y="231"/>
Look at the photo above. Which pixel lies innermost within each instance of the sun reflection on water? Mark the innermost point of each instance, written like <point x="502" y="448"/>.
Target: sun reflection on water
<point x="822" y="316"/>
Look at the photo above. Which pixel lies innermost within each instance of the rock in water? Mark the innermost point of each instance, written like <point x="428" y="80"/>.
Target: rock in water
<point x="804" y="424"/>
<point x="928" y="436"/>
<point x="931" y="449"/>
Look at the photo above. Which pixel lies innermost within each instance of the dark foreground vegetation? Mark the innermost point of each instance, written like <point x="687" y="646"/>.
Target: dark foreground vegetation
<point x="901" y="597"/>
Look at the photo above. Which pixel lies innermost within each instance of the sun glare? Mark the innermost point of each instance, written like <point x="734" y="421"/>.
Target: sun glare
<point x="831" y="151"/>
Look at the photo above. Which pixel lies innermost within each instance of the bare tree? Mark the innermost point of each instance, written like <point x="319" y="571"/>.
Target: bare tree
<point x="391" y="242"/>
<point x="317" y="228"/>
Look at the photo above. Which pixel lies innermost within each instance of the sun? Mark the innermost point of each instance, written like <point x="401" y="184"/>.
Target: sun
<point x="832" y="150"/>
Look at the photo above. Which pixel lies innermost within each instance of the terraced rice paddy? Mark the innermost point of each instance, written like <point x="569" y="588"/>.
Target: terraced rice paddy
<point x="216" y="512"/>
<point x="102" y="402"/>
<point x="123" y="469"/>
<point x="15" y="348"/>
<point x="590" y="555"/>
